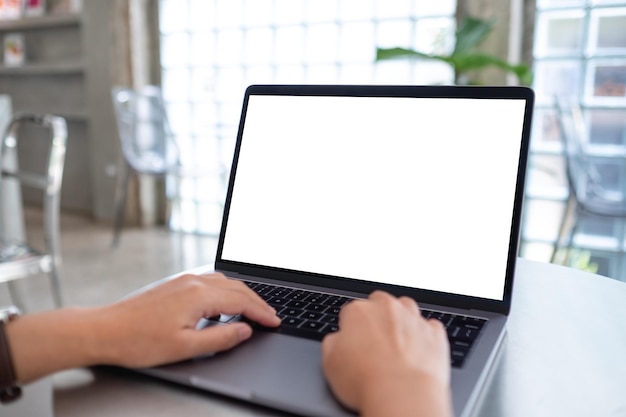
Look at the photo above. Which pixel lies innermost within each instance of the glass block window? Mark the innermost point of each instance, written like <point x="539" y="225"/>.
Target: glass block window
<point x="211" y="50"/>
<point x="580" y="54"/>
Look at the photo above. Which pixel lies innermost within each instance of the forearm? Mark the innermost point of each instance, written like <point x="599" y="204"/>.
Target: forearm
<point x="155" y="327"/>
<point x="407" y="395"/>
<point x="44" y="343"/>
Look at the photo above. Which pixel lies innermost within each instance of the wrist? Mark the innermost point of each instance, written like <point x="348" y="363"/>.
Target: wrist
<point x="91" y="335"/>
<point x="408" y="392"/>
<point x="103" y="345"/>
<point x="69" y="336"/>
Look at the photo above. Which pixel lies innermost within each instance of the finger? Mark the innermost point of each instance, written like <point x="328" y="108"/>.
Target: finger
<point x="328" y="346"/>
<point x="237" y="302"/>
<point x="347" y="309"/>
<point x="213" y="275"/>
<point x="214" y="281"/>
<point x="379" y="295"/>
<point x="217" y="338"/>
<point x="410" y="304"/>
<point x="222" y="281"/>
<point x="328" y="342"/>
<point x="437" y="325"/>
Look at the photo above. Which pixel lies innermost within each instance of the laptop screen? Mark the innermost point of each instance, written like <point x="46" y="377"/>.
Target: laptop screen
<point x="410" y="191"/>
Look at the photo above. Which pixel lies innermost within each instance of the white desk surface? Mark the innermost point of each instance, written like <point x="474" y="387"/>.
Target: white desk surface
<point x="565" y="355"/>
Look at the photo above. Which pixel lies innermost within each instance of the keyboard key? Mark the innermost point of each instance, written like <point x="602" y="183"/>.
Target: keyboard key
<point x="463" y="321"/>
<point x="312" y="325"/>
<point x="474" y="325"/>
<point x="466" y="334"/>
<point x="297" y="304"/>
<point x="332" y="301"/>
<point x="453" y="331"/>
<point x="447" y="319"/>
<point x="297" y="295"/>
<point x="330" y="319"/>
<point x="342" y="301"/>
<point x="292" y="312"/>
<point x="277" y="301"/>
<point x="314" y="298"/>
<point x="316" y="307"/>
<point x="458" y="353"/>
<point x="311" y="315"/>
<point x="279" y="292"/>
<point x="460" y="344"/>
<point x="291" y="322"/>
<point x="331" y="328"/>
<point x="333" y="311"/>
<point x="263" y="289"/>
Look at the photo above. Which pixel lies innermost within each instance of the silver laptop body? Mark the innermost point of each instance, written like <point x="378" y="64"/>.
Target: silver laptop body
<point x="416" y="190"/>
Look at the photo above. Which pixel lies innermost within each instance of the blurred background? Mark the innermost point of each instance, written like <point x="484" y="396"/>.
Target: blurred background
<point x="66" y="57"/>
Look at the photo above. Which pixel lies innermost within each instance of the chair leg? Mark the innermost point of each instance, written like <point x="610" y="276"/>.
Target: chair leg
<point x="52" y="223"/>
<point x="570" y="243"/>
<point x="568" y="220"/>
<point x="121" y="193"/>
<point x="55" y="280"/>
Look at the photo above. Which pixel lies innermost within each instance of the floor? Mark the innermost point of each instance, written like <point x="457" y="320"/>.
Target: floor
<point x="94" y="273"/>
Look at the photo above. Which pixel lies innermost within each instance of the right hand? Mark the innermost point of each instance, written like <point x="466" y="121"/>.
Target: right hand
<point x="384" y="345"/>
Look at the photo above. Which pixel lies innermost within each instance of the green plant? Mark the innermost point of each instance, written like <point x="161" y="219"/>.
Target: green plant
<point x="577" y="258"/>
<point x="464" y="56"/>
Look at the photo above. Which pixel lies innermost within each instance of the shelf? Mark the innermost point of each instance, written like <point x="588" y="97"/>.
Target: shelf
<point x="43" y="22"/>
<point x="59" y="68"/>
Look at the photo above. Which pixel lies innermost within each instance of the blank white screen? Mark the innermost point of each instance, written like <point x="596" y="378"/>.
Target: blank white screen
<point x="416" y="192"/>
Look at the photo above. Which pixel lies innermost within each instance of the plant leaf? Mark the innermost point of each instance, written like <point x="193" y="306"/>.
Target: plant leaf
<point x="403" y="53"/>
<point x="477" y="60"/>
<point x="395" y="53"/>
<point x="471" y="33"/>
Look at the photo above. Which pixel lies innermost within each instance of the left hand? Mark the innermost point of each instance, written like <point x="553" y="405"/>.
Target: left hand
<point x="158" y="326"/>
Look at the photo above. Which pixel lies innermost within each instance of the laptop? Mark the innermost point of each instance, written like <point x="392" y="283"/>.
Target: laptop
<point x="339" y="190"/>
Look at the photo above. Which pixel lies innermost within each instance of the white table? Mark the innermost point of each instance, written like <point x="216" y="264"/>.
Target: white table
<point x="565" y="355"/>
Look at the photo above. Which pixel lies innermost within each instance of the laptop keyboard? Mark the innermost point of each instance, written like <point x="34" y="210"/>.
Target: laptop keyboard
<point x="312" y="315"/>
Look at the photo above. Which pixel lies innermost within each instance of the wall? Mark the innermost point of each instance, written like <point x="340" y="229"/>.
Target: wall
<point x="73" y="60"/>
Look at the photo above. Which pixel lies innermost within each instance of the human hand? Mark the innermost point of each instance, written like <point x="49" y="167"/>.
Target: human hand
<point x="158" y="326"/>
<point x="385" y="356"/>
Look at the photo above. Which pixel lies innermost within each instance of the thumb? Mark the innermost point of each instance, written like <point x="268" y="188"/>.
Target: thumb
<point x="218" y="338"/>
<point x="327" y="344"/>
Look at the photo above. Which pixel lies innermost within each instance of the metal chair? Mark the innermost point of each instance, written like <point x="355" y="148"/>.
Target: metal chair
<point x="147" y="143"/>
<point x="589" y="193"/>
<point x="18" y="257"/>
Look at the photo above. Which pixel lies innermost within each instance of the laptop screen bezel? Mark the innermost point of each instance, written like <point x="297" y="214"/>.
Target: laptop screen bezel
<point x="366" y="287"/>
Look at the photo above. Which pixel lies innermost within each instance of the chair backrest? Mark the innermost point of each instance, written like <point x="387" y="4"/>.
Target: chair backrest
<point x="585" y="179"/>
<point x="49" y="179"/>
<point x="146" y="140"/>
